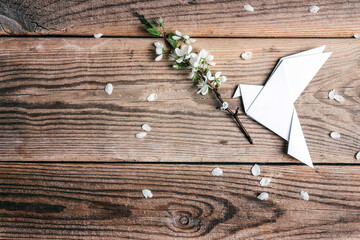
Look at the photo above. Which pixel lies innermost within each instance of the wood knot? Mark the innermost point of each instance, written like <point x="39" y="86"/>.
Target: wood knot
<point x="194" y="218"/>
<point x="184" y="220"/>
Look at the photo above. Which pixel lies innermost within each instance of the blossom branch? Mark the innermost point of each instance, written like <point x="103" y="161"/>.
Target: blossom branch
<point x="181" y="53"/>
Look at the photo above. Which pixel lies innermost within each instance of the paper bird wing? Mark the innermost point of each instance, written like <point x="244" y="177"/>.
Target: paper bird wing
<point x="300" y="70"/>
<point x="308" y="52"/>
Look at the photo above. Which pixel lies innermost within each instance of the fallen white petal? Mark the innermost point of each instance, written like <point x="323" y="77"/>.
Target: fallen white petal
<point x="357" y="35"/>
<point x="304" y="195"/>
<point x="147" y="193"/>
<point x="151" y="97"/>
<point x="255" y="170"/>
<point x="263" y="196"/>
<point x="146" y="127"/>
<point x="217" y="171"/>
<point x="246" y="55"/>
<point x="357" y="156"/>
<point x="335" y="135"/>
<point x="249" y="8"/>
<point x="339" y="98"/>
<point x="109" y="88"/>
<point x="332" y="94"/>
<point x="225" y="106"/>
<point x="265" y="181"/>
<point x="140" y="134"/>
<point x="98" y="35"/>
<point x="314" y="9"/>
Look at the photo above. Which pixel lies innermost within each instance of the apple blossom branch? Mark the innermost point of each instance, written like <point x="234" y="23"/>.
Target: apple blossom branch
<point x="180" y="51"/>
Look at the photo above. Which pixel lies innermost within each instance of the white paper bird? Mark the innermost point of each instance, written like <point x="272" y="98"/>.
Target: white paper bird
<point x="272" y="105"/>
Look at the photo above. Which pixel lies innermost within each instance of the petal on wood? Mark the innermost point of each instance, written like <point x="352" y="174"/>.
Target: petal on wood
<point x="314" y="9"/>
<point x="255" y="170"/>
<point x="265" y="181"/>
<point x="357" y="156"/>
<point x="98" y="35"/>
<point x="147" y="193"/>
<point x="140" y="134"/>
<point x="335" y="135"/>
<point x="263" y="196"/>
<point x="246" y="55"/>
<point x="151" y="97"/>
<point x="339" y="98"/>
<point x="248" y="8"/>
<point x="332" y="94"/>
<point x="109" y="88"/>
<point x="146" y="127"/>
<point x="304" y="195"/>
<point x="217" y="171"/>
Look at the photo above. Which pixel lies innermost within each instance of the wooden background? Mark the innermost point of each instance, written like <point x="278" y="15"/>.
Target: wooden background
<point x="71" y="167"/>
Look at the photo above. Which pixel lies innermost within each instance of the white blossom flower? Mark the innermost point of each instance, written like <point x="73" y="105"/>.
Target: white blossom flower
<point x="207" y="57"/>
<point x="225" y="106"/>
<point x="194" y="60"/>
<point x="183" y="53"/>
<point x="159" y="50"/>
<point x="172" y="56"/>
<point x="185" y="38"/>
<point x="218" y="79"/>
<point x="192" y="73"/>
<point x="204" y="87"/>
<point x="209" y="77"/>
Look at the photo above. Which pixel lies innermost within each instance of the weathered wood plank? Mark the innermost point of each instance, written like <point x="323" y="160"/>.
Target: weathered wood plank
<point x="100" y="200"/>
<point x="53" y="106"/>
<point x="281" y="18"/>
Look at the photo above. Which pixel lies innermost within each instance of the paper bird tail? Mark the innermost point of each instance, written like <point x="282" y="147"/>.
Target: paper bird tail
<point x="297" y="147"/>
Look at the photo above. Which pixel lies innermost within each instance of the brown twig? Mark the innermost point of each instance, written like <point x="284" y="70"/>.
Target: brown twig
<point x="167" y="40"/>
<point x="234" y="115"/>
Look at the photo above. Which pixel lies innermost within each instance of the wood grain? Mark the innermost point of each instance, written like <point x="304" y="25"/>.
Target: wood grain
<point x="218" y="18"/>
<point x="53" y="106"/>
<point x="66" y="201"/>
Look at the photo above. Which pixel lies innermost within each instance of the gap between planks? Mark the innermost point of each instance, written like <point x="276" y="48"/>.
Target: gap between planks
<point x="181" y="163"/>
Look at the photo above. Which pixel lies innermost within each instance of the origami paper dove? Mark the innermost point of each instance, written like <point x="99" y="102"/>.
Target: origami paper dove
<point x="272" y="105"/>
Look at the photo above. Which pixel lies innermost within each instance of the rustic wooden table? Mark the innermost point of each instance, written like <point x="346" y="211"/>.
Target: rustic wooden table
<point x="71" y="167"/>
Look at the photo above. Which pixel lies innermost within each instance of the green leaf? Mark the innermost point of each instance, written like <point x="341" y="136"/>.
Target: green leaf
<point x="145" y="22"/>
<point x="182" y="64"/>
<point x="153" y="31"/>
<point x="150" y="27"/>
<point x="173" y="42"/>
